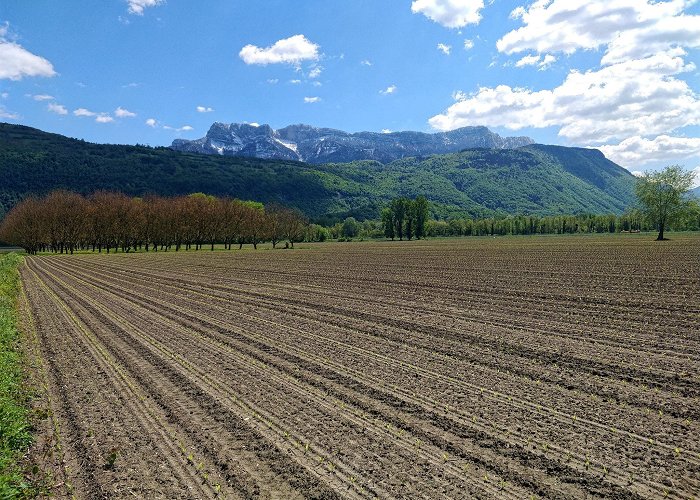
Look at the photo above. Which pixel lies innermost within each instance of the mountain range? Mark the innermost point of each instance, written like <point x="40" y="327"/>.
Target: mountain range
<point x="533" y="179"/>
<point x="325" y="145"/>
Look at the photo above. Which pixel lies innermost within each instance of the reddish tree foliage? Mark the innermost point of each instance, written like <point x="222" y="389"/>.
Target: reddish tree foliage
<point x="64" y="222"/>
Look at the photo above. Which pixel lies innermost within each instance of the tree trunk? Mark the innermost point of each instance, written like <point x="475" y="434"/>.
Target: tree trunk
<point x="661" y="233"/>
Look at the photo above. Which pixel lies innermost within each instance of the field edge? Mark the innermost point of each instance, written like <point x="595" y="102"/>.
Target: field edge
<point x="15" y="426"/>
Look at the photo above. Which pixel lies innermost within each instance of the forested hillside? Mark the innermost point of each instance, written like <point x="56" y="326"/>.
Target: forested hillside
<point x="539" y="180"/>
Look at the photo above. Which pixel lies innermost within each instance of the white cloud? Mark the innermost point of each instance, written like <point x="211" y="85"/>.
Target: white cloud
<point x="311" y="100"/>
<point x="389" y="90"/>
<point x="386" y="131"/>
<point x="632" y="28"/>
<point x="16" y="62"/>
<point x="295" y="82"/>
<point x="204" y="109"/>
<point x="450" y="13"/>
<point x="468" y="44"/>
<point x="547" y="61"/>
<point x="536" y="60"/>
<point x="316" y="84"/>
<point x="5" y="95"/>
<point x="59" y="109"/>
<point x="8" y="115"/>
<point x="635" y="151"/>
<point x="637" y="173"/>
<point x="273" y="81"/>
<point x="137" y="6"/>
<point x="123" y="113"/>
<point x="527" y="61"/>
<point x="43" y="97"/>
<point x="291" y="50"/>
<point x="151" y="122"/>
<point x="366" y="62"/>
<point x="445" y="49"/>
<point x="315" y="72"/>
<point x="638" y="97"/>
<point x="664" y="34"/>
<point x="83" y="112"/>
<point x="99" y="117"/>
<point x="131" y="85"/>
<point x="184" y="128"/>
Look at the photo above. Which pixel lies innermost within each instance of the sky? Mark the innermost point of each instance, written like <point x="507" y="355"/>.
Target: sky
<point x="618" y="75"/>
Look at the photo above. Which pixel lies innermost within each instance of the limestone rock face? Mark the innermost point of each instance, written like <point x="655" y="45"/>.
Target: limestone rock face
<point x="324" y="145"/>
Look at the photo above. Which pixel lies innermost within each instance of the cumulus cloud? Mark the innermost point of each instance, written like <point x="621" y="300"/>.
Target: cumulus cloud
<point x="635" y="151"/>
<point x="311" y="100"/>
<point x="631" y="98"/>
<point x="468" y="44"/>
<point x="315" y="72"/>
<point x="204" y="109"/>
<point x="137" y="6"/>
<point x="662" y="35"/>
<point x="389" y="90"/>
<point x="123" y="113"/>
<point x="292" y="50"/>
<point x="386" y="131"/>
<point x="83" y="112"/>
<point x="527" y="61"/>
<point x="59" y="109"/>
<point x="101" y="117"/>
<point x="632" y="28"/>
<point x="151" y="122"/>
<point x="295" y="82"/>
<point x="16" y="62"/>
<point x="43" y="97"/>
<point x="273" y="81"/>
<point x="366" y="62"/>
<point x="450" y="13"/>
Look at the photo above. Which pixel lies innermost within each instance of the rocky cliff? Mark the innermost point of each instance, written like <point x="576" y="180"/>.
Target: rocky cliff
<point x="325" y="145"/>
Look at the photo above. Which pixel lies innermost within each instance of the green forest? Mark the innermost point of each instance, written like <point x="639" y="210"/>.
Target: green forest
<point x="535" y="180"/>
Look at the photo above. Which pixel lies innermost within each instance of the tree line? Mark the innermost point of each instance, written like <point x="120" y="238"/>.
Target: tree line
<point x="64" y="222"/>
<point x="632" y="221"/>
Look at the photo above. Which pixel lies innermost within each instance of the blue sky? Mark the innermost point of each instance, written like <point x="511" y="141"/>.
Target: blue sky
<point x="621" y="75"/>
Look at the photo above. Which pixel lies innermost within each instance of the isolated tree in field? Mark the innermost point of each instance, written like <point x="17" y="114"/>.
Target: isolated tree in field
<point x="663" y="196"/>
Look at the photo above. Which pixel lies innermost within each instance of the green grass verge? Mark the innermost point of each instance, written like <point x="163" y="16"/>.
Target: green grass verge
<point x="15" y="435"/>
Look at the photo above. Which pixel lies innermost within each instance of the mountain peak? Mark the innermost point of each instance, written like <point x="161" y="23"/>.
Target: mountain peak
<point x="311" y="144"/>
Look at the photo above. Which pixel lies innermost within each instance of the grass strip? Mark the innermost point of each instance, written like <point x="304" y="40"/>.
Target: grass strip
<point x="15" y="435"/>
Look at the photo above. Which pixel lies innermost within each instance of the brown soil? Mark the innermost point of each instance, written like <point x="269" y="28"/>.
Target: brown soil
<point x="553" y="367"/>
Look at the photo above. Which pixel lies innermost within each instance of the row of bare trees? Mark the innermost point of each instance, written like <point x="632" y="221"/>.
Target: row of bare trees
<point x="64" y="222"/>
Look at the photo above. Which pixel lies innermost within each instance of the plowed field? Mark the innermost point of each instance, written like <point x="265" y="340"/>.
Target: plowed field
<point x="491" y="368"/>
